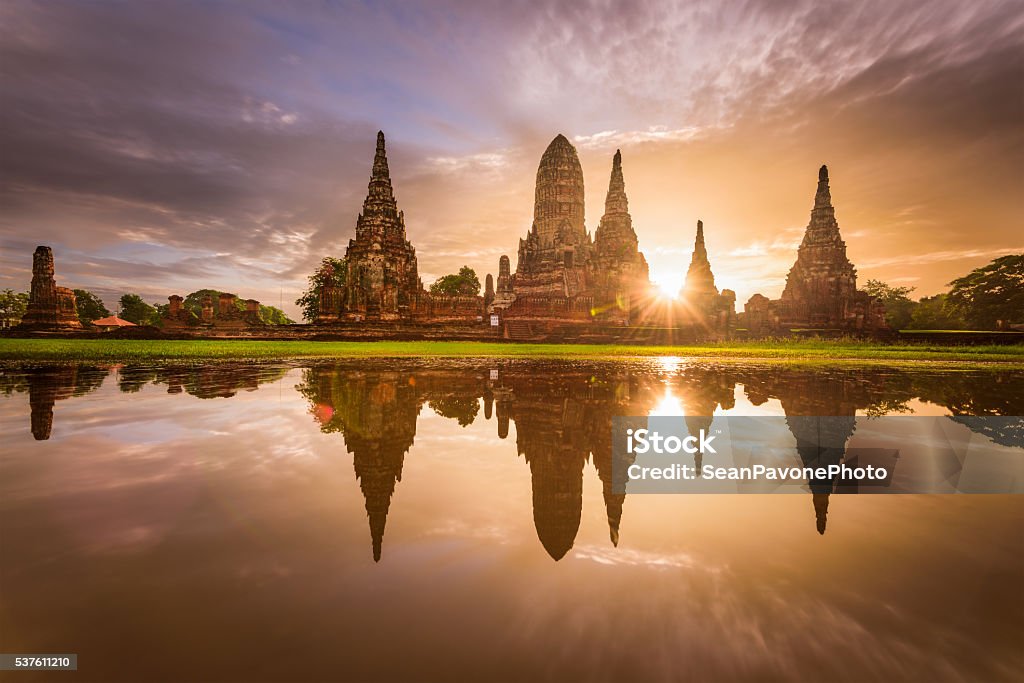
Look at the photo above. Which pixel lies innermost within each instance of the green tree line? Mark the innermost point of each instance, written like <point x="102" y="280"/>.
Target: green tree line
<point x="976" y="301"/>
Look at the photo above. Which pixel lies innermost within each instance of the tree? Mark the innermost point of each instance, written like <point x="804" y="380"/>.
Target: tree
<point x="991" y="293"/>
<point x="12" y="307"/>
<point x="332" y="271"/>
<point x="464" y="283"/>
<point x="898" y="306"/>
<point x="462" y="409"/>
<point x="934" y="313"/>
<point x="193" y="303"/>
<point x="272" y="315"/>
<point x="90" y="307"/>
<point x="135" y="310"/>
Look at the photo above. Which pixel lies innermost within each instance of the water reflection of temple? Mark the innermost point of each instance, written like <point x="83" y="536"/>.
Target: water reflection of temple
<point x="48" y="384"/>
<point x="562" y="414"/>
<point x="561" y="421"/>
<point x="563" y="418"/>
<point x="376" y="414"/>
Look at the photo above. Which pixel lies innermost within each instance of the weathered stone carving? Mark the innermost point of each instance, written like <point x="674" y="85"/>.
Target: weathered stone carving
<point x="49" y="307"/>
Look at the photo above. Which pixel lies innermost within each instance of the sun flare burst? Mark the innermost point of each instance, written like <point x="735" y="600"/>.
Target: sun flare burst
<point x="668" y="284"/>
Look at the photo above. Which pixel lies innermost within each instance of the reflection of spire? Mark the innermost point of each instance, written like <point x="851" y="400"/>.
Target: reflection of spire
<point x="42" y="393"/>
<point x="501" y="411"/>
<point x="379" y="427"/>
<point x="820" y="510"/>
<point x="821" y="442"/>
<point x="376" y="413"/>
<point x="48" y="385"/>
<point x="613" y="507"/>
<point x="551" y="433"/>
<point x="557" y="500"/>
<point x="378" y="473"/>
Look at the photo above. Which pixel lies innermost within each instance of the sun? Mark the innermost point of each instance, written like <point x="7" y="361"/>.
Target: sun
<point x="668" y="284"/>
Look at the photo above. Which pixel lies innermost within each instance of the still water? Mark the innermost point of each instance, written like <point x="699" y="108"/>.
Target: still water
<point x="439" y="520"/>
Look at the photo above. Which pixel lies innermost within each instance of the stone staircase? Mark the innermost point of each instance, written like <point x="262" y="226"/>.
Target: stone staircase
<point x="518" y="330"/>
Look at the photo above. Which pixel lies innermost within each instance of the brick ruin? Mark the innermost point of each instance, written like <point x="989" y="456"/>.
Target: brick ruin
<point x="382" y="282"/>
<point x="821" y="288"/>
<point x="49" y="307"/>
<point x="563" y="274"/>
<point x="226" y="316"/>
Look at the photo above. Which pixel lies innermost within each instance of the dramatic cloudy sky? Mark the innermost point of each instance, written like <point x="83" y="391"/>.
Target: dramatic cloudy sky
<point x="160" y="147"/>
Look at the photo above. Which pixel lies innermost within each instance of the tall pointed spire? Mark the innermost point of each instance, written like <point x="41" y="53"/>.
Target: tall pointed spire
<point x="616" y="201"/>
<point x="380" y="193"/>
<point x="822" y="198"/>
<point x="700" y="281"/>
<point x="621" y="270"/>
<point x="700" y="252"/>
<point x="822" y="282"/>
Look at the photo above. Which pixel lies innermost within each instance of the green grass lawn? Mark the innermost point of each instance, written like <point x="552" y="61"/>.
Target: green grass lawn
<point x="810" y="350"/>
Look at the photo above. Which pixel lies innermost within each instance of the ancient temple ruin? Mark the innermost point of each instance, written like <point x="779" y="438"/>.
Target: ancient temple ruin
<point x="49" y="307"/>
<point x="620" y="277"/>
<point x="562" y="273"/>
<point x="554" y="256"/>
<point x="700" y="299"/>
<point x="381" y="282"/>
<point x="821" y="288"/>
<point x="226" y="317"/>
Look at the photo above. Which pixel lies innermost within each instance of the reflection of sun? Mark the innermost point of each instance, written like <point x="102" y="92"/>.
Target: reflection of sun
<point x="668" y="406"/>
<point x="669" y="364"/>
<point x="668" y="284"/>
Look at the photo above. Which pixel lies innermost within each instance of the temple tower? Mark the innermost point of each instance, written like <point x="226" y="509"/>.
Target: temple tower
<point x="554" y="255"/>
<point x="49" y="306"/>
<point x="700" y="281"/>
<point x="558" y="201"/>
<point x="382" y="280"/>
<point x="620" y="271"/>
<point x="822" y="284"/>
<point x="488" y="291"/>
